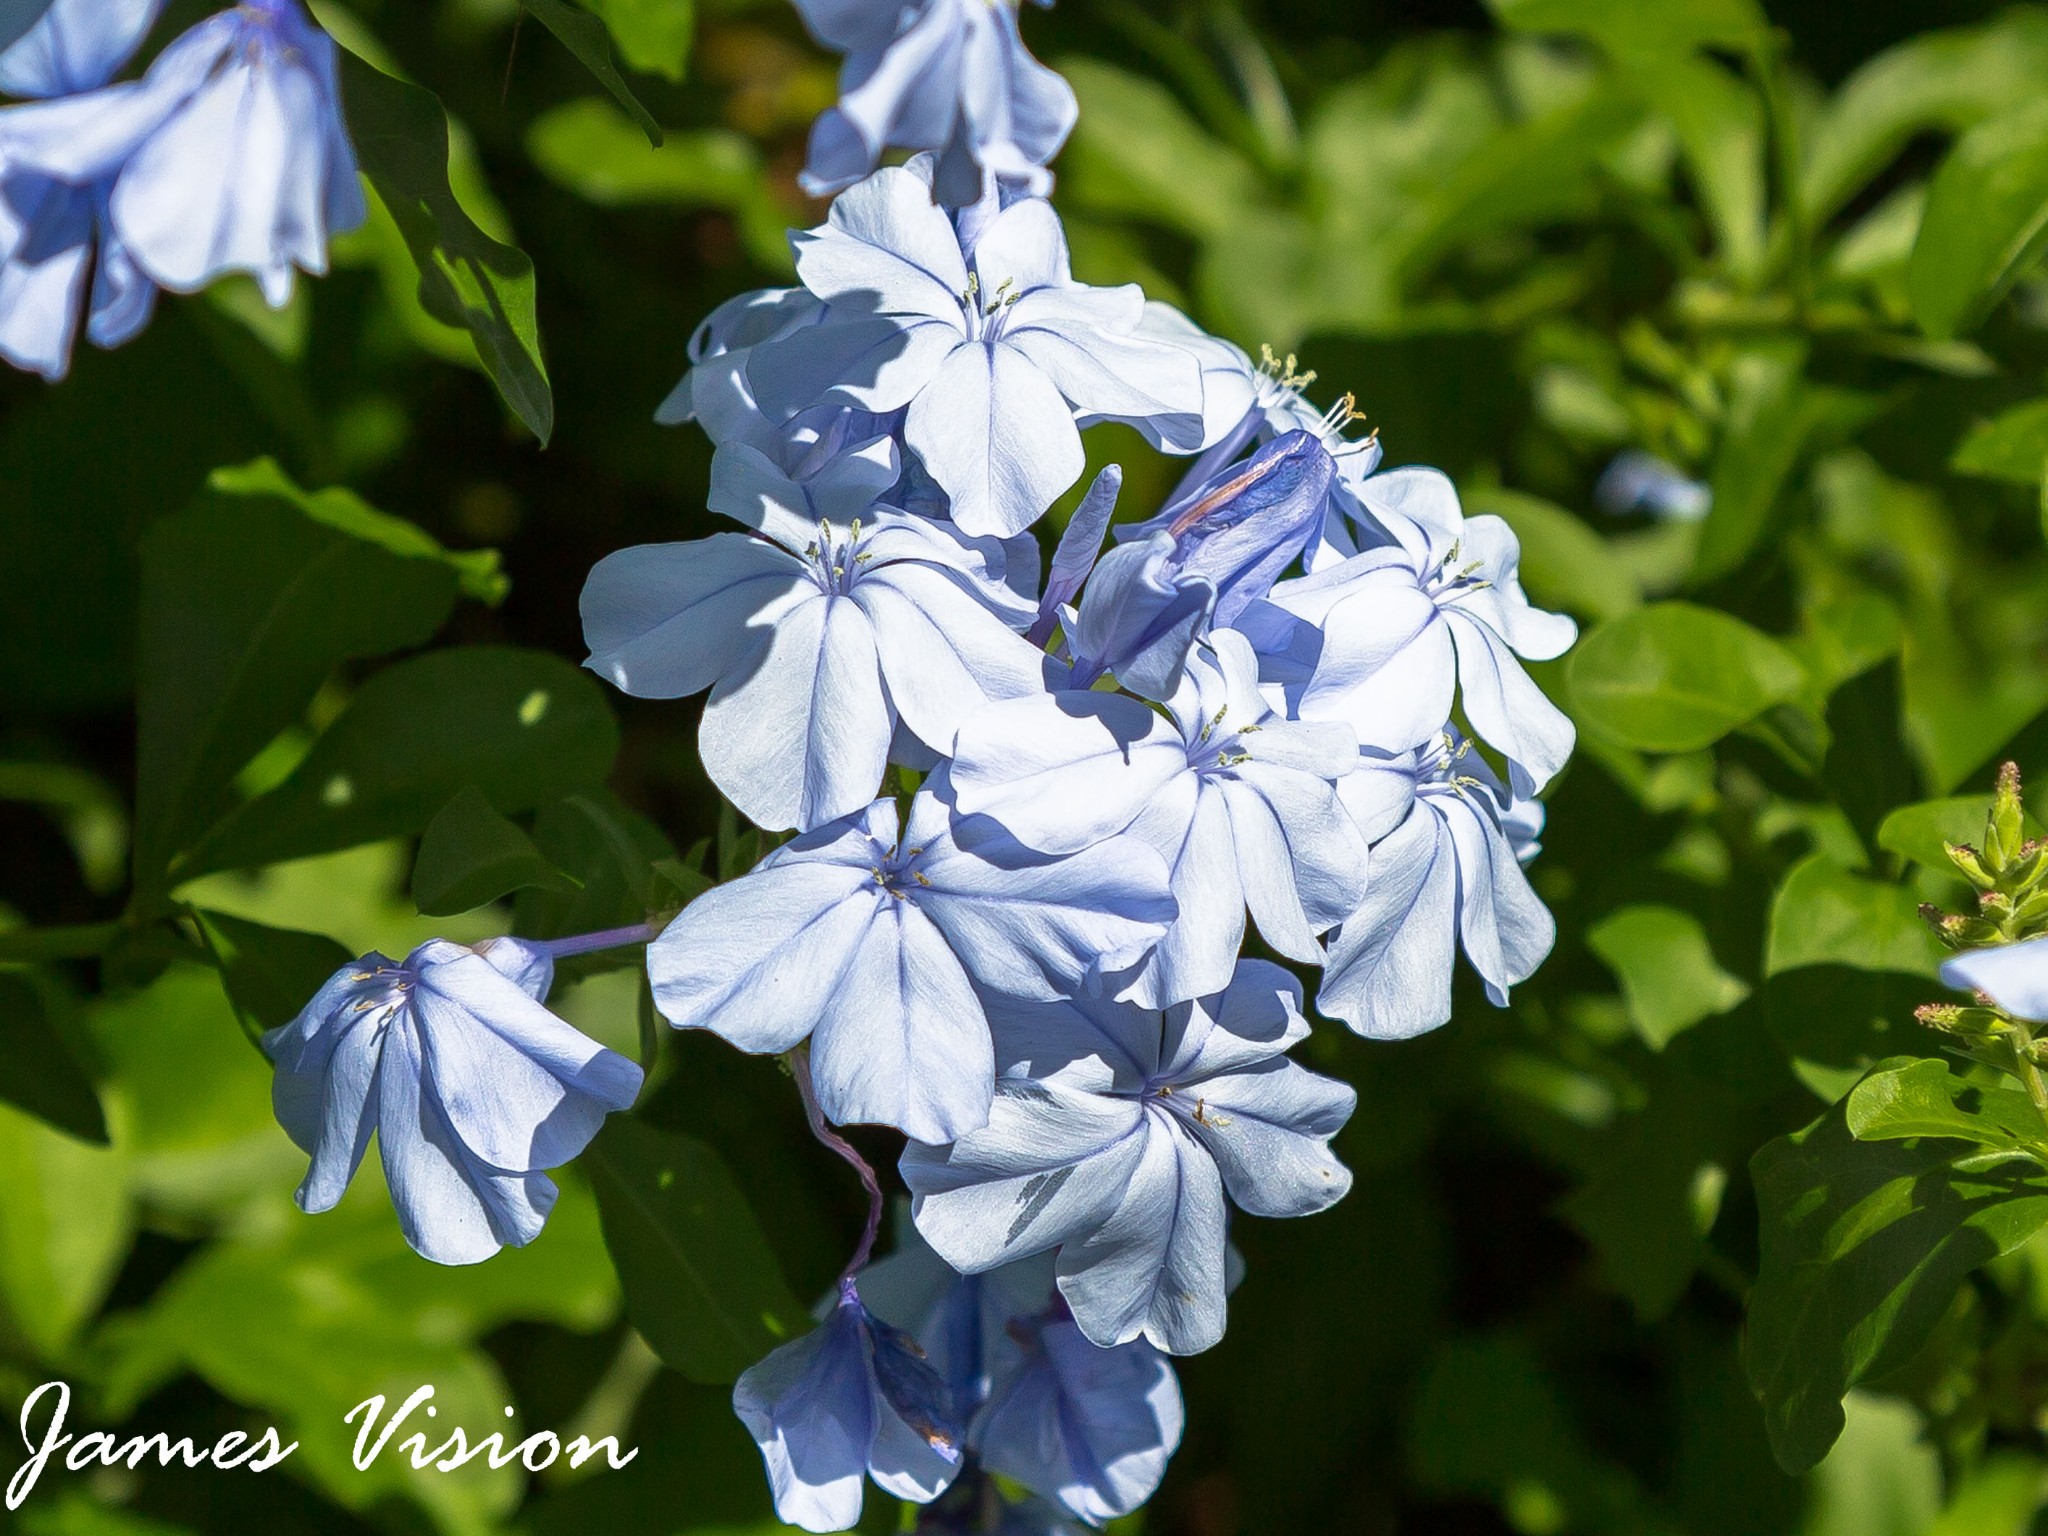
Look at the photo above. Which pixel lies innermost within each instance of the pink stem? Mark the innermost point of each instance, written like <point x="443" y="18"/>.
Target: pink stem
<point x="800" y="1069"/>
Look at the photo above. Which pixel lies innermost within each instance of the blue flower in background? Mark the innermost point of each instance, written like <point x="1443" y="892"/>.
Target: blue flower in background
<point x="229" y="155"/>
<point x="949" y="76"/>
<point x="873" y="945"/>
<point x="816" y="637"/>
<point x="1089" y="1428"/>
<point x="1448" y="844"/>
<point x="2014" y="976"/>
<point x="472" y="1087"/>
<point x="1240" y="802"/>
<point x="1641" y="482"/>
<point x="853" y="1398"/>
<point x="1113" y="1135"/>
<point x="55" y="238"/>
<point x="1386" y="639"/>
<point x="998" y="361"/>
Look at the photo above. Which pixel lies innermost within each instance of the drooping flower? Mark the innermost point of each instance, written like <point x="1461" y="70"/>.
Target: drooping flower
<point x="229" y="155"/>
<point x="1138" y="619"/>
<point x="998" y="359"/>
<point x="55" y="239"/>
<point x="853" y="1398"/>
<point x="1448" y="845"/>
<point x="472" y="1086"/>
<point x="816" y="635"/>
<point x="872" y="944"/>
<point x="1239" y="801"/>
<point x="1386" y="639"/>
<point x="949" y="76"/>
<point x="1115" y="1132"/>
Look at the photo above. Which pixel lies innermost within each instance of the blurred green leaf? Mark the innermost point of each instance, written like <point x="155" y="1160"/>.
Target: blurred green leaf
<point x="1720" y="124"/>
<point x="1773" y="415"/>
<point x="1667" y="970"/>
<point x="613" y="852"/>
<point x="65" y="1224"/>
<point x="247" y="605"/>
<point x="479" y="571"/>
<point x="1917" y="832"/>
<point x="1882" y="1478"/>
<point x="588" y="147"/>
<point x="467" y="279"/>
<point x="1826" y="915"/>
<point x="1924" y="1098"/>
<point x="39" y="1070"/>
<point x="1135" y="151"/>
<point x="653" y="35"/>
<point x="93" y="816"/>
<point x="585" y="36"/>
<point x="1630" y="30"/>
<point x="269" y="974"/>
<point x="1986" y="221"/>
<point x="1673" y="678"/>
<point x="1998" y="1497"/>
<point x="470" y="855"/>
<point x="1565" y="563"/>
<point x="1945" y="81"/>
<point x="522" y="726"/>
<point x="1863" y="1247"/>
<point x="701" y="1283"/>
<point x="2012" y="446"/>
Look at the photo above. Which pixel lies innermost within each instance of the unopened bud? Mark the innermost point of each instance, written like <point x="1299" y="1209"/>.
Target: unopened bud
<point x="2004" y="832"/>
<point x="1971" y="863"/>
<point x="1995" y="905"/>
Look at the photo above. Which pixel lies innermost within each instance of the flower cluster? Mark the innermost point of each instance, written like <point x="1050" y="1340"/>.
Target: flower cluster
<point x="1034" y="801"/>
<point x="1037" y="802"/>
<point x="228" y="155"/>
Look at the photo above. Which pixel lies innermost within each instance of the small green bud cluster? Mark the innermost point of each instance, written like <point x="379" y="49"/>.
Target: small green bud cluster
<point x="2010" y="873"/>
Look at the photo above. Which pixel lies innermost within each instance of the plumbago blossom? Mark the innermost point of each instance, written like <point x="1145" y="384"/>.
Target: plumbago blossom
<point x="473" y="1088"/>
<point x="949" y="76"/>
<point x="1037" y="805"/>
<point x="228" y="155"/>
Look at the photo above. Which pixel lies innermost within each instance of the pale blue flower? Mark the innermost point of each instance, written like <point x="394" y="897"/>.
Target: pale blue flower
<point x="76" y="45"/>
<point x="1386" y="639"/>
<point x="949" y="76"/>
<point x="1089" y="1428"/>
<point x="853" y="1398"/>
<point x="998" y="361"/>
<point x="714" y="392"/>
<point x="1446" y="872"/>
<point x="872" y="945"/>
<point x="1139" y="618"/>
<point x="817" y="635"/>
<point x="1641" y="482"/>
<point x="1239" y="801"/>
<point x="1113" y="1136"/>
<point x="472" y="1087"/>
<point x="2014" y="976"/>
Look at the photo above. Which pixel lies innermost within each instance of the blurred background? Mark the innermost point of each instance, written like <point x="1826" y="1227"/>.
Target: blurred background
<point x="1528" y="241"/>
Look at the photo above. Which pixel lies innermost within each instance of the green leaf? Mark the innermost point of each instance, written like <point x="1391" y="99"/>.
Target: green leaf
<point x="1719" y="120"/>
<point x="1825" y="915"/>
<point x="247" y="605"/>
<point x="613" y="851"/>
<point x="1630" y="30"/>
<point x="1924" y="1098"/>
<point x="1565" y="564"/>
<point x="269" y="974"/>
<point x="467" y="279"/>
<point x="1674" y="678"/>
<point x="701" y="1283"/>
<point x="1917" y="832"/>
<point x="1942" y="81"/>
<point x="584" y="35"/>
<point x="1667" y="970"/>
<point x="1135" y="151"/>
<point x="2012" y="446"/>
<point x="65" y="1225"/>
<point x="470" y="856"/>
<point x="1863" y="1246"/>
<point x="478" y="571"/>
<point x="522" y="726"/>
<point x="1881" y="1478"/>
<point x="653" y="35"/>
<point x="1986" y="220"/>
<point x="39" y="1070"/>
<point x="589" y="147"/>
<point x="1767" y="426"/>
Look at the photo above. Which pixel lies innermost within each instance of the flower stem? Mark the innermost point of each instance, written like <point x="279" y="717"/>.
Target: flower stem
<point x="609" y="938"/>
<point x="800" y="1068"/>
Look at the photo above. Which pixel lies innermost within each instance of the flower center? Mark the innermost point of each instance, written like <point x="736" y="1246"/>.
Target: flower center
<point x="1277" y="386"/>
<point x="986" y="314"/>
<point x="1216" y="749"/>
<point x="1451" y="581"/>
<point x="1439" y="767"/>
<point x="897" y="873"/>
<point x="836" y="558"/>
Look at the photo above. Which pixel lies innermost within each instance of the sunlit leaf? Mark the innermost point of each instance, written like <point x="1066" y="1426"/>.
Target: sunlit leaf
<point x="1667" y="970"/>
<point x="1986" y="221"/>
<point x="1673" y="678"/>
